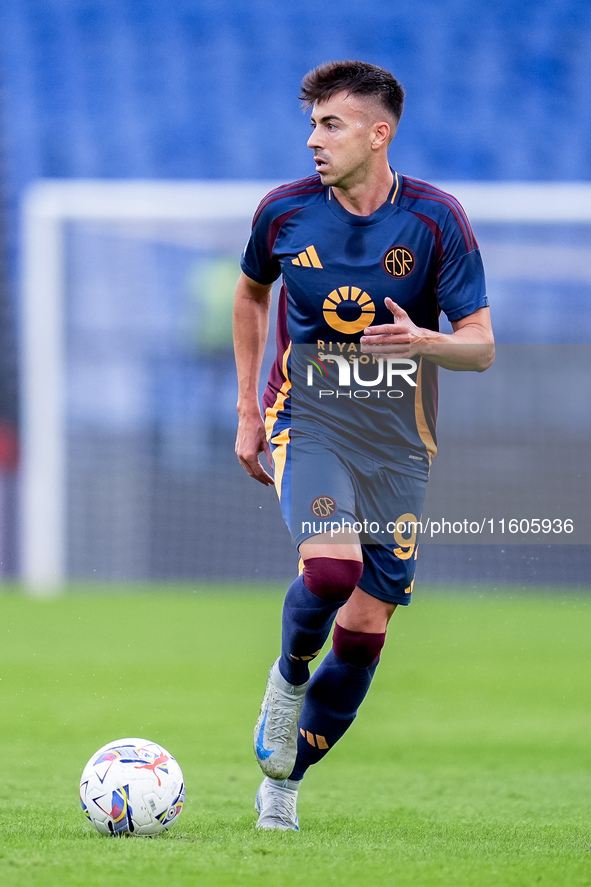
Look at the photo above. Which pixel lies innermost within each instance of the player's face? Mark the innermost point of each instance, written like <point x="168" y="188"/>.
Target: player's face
<point x="343" y="131"/>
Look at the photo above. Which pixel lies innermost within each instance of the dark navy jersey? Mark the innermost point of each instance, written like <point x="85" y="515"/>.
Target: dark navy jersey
<point x="417" y="248"/>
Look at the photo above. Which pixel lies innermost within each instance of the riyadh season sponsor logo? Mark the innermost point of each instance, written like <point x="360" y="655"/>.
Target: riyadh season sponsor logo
<point x="376" y="380"/>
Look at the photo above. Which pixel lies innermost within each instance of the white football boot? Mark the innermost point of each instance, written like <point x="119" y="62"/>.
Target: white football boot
<point x="276" y="805"/>
<point x="276" y="731"/>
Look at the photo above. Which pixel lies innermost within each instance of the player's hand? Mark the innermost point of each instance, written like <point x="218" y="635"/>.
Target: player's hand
<point x="251" y="440"/>
<point x="402" y="338"/>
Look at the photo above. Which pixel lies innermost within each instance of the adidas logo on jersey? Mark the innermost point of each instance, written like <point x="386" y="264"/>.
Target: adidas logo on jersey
<point x="308" y="258"/>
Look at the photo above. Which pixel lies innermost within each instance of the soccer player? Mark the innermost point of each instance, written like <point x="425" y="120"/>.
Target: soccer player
<point x="368" y="259"/>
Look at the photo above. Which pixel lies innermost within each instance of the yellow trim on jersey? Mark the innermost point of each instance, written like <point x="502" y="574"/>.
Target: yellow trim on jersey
<point x="282" y="395"/>
<point x="422" y="426"/>
<point x="281" y="442"/>
<point x="396" y="189"/>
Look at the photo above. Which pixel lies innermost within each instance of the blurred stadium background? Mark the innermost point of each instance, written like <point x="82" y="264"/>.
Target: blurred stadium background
<point x="199" y="91"/>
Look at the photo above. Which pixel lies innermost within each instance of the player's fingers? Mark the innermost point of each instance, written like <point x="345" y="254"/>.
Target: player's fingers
<point x="390" y="348"/>
<point x="384" y="329"/>
<point x="398" y="312"/>
<point x="267" y="452"/>
<point x="253" y="467"/>
<point x="264" y="478"/>
<point x="391" y="351"/>
<point x="255" y="470"/>
<point x="369" y="342"/>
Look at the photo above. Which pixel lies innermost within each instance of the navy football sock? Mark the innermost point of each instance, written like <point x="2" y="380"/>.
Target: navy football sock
<point x="306" y="624"/>
<point x="336" y="691"/>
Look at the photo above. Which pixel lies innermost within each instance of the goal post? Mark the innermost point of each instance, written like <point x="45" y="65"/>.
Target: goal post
<point x="50" y="206"/>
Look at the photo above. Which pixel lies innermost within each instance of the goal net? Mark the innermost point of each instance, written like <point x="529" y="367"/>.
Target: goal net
<point x="128" y="389"/>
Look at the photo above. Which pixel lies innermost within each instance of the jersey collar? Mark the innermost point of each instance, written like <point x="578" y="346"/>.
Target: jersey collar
<point x="381" y="212"/>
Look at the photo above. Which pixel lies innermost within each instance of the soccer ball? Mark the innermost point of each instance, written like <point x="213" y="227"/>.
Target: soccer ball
<point x="132" y="787"/>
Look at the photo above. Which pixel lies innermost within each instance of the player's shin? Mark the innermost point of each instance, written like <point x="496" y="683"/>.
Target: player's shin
<point x="336" y="690"/>
<point x="309" y="609"/>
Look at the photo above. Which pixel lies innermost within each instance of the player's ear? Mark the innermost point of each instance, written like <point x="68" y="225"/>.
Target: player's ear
<point x="381" y="135"/>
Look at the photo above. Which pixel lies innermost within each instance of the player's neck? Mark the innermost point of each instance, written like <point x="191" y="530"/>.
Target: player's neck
<point x="364" y="198"/>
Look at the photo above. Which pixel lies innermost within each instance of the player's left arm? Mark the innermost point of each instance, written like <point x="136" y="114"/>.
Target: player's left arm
<point x="471" y="346"/>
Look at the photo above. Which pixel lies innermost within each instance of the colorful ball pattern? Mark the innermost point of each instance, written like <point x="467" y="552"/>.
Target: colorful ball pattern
<point x="132" y="787"/>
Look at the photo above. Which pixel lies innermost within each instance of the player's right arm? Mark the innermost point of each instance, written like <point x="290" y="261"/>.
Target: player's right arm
<point x="251" y="326"/>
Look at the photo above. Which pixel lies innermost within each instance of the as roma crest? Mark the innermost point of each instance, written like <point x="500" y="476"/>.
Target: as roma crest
<point x="398" y="261"/>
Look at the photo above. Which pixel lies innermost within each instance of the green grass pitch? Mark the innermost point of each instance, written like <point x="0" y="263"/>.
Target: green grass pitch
<point x="469" y="764"/>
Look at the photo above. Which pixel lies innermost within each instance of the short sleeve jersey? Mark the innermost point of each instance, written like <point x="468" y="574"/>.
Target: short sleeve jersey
<point x="337" y="268"/>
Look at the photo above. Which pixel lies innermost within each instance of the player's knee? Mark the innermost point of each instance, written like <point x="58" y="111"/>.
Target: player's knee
<point x="331" y="578"/>
<point x="359" y="648"/>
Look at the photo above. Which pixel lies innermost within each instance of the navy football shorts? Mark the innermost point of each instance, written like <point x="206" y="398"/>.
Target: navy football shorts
<point x="328" y="488"/>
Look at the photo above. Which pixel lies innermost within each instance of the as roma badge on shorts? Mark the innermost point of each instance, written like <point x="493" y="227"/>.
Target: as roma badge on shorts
<point x="398" y="261"/>
<point x="323" y="506"/>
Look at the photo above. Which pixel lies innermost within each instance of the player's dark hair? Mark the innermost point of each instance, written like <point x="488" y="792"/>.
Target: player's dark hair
<point x="355" y="78"/>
